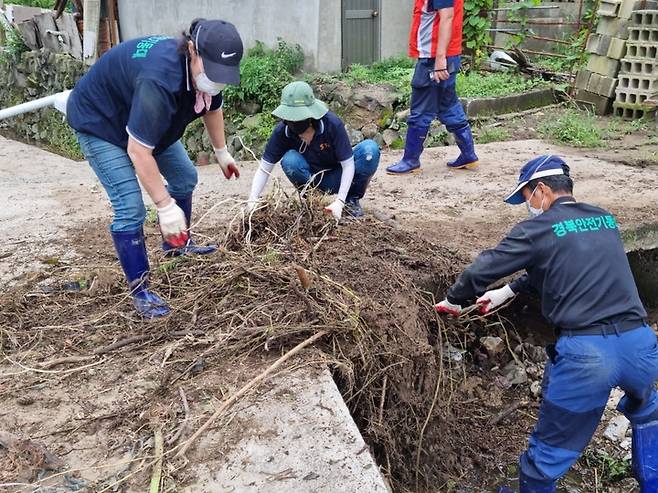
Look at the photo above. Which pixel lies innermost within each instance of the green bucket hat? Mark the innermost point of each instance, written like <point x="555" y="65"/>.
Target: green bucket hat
<point x="298" y="103"/>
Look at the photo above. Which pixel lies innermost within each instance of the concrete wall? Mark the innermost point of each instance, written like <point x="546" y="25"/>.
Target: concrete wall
<point x="395" y="23"/>
<point x="313" y="24"/>
<point x="315" y="27"/>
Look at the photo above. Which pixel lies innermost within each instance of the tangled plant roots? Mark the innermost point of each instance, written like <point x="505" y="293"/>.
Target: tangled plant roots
<point x="284" y="273"/>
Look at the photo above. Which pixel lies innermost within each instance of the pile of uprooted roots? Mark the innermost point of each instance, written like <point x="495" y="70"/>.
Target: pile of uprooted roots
<point x="284" y="273"/>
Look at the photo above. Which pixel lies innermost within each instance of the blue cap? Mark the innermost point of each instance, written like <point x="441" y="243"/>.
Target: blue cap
<point x="538" y="167"/>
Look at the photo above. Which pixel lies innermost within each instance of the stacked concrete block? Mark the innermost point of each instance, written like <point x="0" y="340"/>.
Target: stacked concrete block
<point x="638" y="78"/>
<point x="616" y="31"/>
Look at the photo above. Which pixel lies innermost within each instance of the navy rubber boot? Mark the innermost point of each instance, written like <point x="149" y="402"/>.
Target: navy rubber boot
<point x="357" y="191"/>
<point x="467" y="157"/>
<point x="413" y="148"/>
<point x="131" y="251"/>
<point x="185" y="203"/>
<point x="528" y="485"/>
<point x="353" y="208"/>
<point x="645" y="456"/>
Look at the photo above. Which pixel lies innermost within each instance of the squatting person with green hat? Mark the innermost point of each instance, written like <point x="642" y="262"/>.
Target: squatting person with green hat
<point x="313" y="146"/>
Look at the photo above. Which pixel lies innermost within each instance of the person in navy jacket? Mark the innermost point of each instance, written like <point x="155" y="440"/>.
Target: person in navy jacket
<point x="574" y="260"/>
<point x="314" y="149"/>
<point x="130" y="111"/>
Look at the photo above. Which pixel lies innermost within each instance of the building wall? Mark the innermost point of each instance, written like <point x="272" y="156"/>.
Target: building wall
<point x="395" y="24"/>
<point x="313" y="24"/>
<point x="296" y="21"/>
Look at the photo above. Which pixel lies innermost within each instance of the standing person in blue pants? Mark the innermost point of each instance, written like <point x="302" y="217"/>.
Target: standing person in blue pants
<point x="436" y="41"/>
<point x="314" y="149"/>
<point x="574" y="259"/>
<point x="130" y="111"/>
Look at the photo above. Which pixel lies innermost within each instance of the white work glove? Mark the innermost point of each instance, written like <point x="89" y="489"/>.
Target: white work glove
<point x="446" y="307"/>
<point x="491" y="300"/>
<point x="173" y="225"/>
<point x="227" y="163"/>
<point x="335" y="209"/>
<point x="251" y="205"/>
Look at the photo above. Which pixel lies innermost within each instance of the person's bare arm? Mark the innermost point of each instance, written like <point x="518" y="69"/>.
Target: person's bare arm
<point x="446" y="16"/>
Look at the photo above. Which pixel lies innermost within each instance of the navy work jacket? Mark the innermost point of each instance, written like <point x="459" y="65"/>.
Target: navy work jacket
<point x="140" y="88"/>
<point x="574" y="259"/>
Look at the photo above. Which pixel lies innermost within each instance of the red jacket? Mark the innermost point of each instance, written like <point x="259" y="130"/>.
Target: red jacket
<point x="424" y="35"/>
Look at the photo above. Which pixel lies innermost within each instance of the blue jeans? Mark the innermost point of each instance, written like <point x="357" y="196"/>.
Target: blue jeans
<point x="431" y="100"/>
<point x="116" y="173"/>
<point x="300" y="172"/>
<point x="578" y="378"/>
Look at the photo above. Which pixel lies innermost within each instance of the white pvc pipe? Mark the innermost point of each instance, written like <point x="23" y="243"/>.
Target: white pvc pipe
<point x="57" y="100"/>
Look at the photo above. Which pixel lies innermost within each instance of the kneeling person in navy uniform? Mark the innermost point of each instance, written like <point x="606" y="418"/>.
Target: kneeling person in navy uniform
<point x="314" y="149"/>
<point x="574" y="259"/>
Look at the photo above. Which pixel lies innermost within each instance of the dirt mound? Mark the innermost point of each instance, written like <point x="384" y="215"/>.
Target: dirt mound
<point x="281" y="275"/>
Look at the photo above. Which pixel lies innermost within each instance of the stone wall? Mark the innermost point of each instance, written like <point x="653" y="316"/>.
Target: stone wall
<point x="33" y="75"/>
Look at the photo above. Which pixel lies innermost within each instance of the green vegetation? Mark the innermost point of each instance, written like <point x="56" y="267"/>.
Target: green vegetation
<point x="476" y="84"/>
<point x="399" y="71"/>
<point x="573" y="58"/>
<point x="264" y="73"/>
<point x="609" y="470"/>
<point x="13" y="42"/>
<point x="491" y="134"/>
<point x="151" y="215"/>
<point x="573" y="127"/>
<point x="476" y="23"/>
<point x="518" y="12"/>
<point x="44" y="4"/>
<point x="394" y="71"/>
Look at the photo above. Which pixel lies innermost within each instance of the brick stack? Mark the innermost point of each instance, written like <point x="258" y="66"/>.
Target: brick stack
<point x="638" y="77"/>
<point x="596" y="85"/>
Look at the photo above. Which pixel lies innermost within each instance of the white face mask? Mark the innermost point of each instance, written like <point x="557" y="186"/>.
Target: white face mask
<point x="204" y="84"/>
<point x="531" y="210"/>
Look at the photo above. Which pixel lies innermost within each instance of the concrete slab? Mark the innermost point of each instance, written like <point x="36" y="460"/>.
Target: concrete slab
<point x="500" y="105"/>
<point x="300" y="439"/>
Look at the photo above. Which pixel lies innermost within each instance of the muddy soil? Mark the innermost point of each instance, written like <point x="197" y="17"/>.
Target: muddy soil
<point x="68" y="299"/>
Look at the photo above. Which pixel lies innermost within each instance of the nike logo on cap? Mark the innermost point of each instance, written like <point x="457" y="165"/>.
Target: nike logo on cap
<point x="228" y="55"/>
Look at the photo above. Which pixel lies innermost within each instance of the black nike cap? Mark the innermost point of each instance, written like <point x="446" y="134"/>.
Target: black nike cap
<point x="220" y="47"/>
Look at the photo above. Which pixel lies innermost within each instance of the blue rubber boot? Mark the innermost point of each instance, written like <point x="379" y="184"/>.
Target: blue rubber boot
<point x="467" y="157"/>
<point x="529" y="485"/>
<point x="131" y="251"/>
<point x="357" y="191"/>
<point x="185" y="203"/>
<point x="413" y="148"/>
<point x="353" y="208"/>
<point x="645" y="456"/>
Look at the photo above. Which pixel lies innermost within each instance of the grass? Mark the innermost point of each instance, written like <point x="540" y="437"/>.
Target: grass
<point x="484" y="84"/>
<point x="573" y="127"/>
<point x="609" y="469"/>
<point x="486" y="135"/>
<point x="398" y="72"/>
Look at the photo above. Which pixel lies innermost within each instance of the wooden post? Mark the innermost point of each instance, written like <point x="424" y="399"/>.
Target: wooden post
<point x="91" y="19"/>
